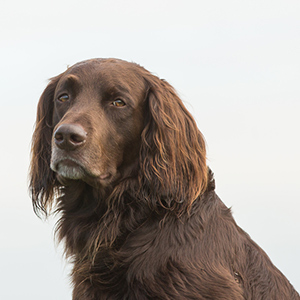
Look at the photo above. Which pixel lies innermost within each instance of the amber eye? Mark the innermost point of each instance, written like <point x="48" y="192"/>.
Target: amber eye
<point x="63" y="98"/>
<point x="118" y="103"/>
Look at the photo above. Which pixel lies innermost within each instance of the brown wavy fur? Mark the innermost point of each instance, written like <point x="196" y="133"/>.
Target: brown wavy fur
<point x="158" y="231"/>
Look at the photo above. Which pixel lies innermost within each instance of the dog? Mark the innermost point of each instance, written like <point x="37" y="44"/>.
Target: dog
<point x="117" y="155"/>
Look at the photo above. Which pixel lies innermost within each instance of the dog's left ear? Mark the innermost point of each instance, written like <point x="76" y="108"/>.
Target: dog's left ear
<point x="173" y="154"/>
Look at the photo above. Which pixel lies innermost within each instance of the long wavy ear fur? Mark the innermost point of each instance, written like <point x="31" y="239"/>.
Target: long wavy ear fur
<point x="42" y="180"/>
<point x="173" y="154"/>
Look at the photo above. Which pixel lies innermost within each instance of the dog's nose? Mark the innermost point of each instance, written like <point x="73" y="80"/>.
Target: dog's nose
<point x="69" y="136"/>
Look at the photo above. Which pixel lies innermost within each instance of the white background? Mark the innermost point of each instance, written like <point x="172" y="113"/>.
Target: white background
<point x="236" y="65"/>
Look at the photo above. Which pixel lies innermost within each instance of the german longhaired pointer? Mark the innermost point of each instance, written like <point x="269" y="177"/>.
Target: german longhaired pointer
<point x="117" y="155"/>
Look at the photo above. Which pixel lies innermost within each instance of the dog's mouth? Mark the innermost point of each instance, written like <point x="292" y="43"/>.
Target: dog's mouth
<point x="70" y="168"/>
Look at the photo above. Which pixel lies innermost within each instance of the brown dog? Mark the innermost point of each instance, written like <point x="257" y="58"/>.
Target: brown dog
<point x="121" y="159"/>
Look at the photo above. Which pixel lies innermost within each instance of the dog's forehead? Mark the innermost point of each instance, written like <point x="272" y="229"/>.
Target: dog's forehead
<point x="108" y="74"/>
<point x="106" y="70"/>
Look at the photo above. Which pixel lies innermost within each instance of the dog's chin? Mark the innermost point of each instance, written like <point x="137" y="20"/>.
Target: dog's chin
<point x="69" y="171"/>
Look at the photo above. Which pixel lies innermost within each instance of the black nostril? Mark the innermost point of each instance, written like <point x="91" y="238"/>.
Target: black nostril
<point x="69" y="136"/>
<point x="76" y="138"/>
<point x="58" y="136"/>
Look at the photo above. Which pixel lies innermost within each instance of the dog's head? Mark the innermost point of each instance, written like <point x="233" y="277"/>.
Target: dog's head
<point x="104" y="121"/>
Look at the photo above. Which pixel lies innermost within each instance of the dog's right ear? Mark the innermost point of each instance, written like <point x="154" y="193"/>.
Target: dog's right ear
<point x="42" y="179"/>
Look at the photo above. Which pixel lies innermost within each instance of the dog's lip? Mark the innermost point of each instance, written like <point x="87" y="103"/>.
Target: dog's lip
<point x="105" y="176"/>
<point x="69" y="162"/>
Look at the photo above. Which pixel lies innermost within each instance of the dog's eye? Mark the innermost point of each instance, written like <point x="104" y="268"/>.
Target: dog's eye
<point x="118" y="103"/>
<point x="63" y="98"/>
